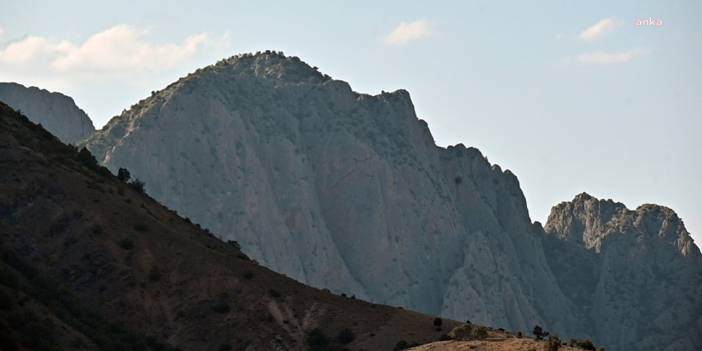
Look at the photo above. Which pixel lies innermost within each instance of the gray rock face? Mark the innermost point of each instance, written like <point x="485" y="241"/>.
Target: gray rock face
<point x="339" y="190"/>
<point x="54" y="111"/>
<point x="349" y="191"/>
<point x="636" y="276"/>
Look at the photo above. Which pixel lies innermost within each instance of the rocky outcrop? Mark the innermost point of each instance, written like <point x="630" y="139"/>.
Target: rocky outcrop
<point x="636" y="276"/>
<point x="340" y="190"/>
<point x="56" y="112"/>
<point x="349" y="192"/>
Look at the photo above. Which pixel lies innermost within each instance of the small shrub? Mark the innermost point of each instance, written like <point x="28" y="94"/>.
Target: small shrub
<point x="234" y="243"/>
<point x="461" y="332"/>
<point x="87" y="159"/>
<point x="316" y="340"/>
<point x="480" y="333"/>
<point x="7" y="277"/>
<point x="137" y="185"/>
<point x="96" y="229"/>
<point x="225" y="347"/>
<point x="154" y="275"/>
<point x="141" y="227"/>
<point x="126" y="244"/>
<point x="468" y="332"/>
<point x="539" y="333"/>
<point x="553" y="344"/>
<point x="519" y="334"/>
<point x="345" y="336"/>
<point x="220" y="306"/>
<point x="248" y="275"/>
<point x="586" y="345"/>
<point x="6" y="301"/>
<point x="458" y="180"/>
<point x="274" y="293"/>
<point x="401" y="345"/>
<point x="437" y="322"/>
<point x="123" y="175"/>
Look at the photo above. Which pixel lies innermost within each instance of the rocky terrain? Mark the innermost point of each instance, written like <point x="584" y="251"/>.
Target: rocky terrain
<point x="349" y="192"/>
<point x="54" y="111"/>
<point x="508" y="344"/>
<point x="340" y="190"/>
<point x="89" y="262"/>
<point x="636" y="272"/>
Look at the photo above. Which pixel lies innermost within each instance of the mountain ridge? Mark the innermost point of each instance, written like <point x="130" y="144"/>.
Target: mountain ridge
<point x="314" y="142"/>
<point x="349" y="191"/>
<point x="57" y="112"/>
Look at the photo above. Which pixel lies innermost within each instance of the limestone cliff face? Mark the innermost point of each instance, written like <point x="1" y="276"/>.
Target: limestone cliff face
<point x="349" y="191"/>
<point x="340" y="190"/>
<point x="54" y="111"/>
<point x="636" y="275"/>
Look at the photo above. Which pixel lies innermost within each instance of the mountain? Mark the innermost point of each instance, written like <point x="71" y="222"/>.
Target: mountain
<point x="89" y="262"/>
<point x="340" y="190"/>
<point x="56" y="112"/>
<point x="348" y="191"/>
<point x="634" y="272"/>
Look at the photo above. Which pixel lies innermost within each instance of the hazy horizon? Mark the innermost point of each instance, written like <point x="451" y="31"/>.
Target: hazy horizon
<point x="585" y="100"/>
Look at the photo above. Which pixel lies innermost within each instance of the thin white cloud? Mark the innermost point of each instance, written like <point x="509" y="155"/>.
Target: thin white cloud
<point x="598" y="29"/>
<point x="407" y="32"/>
<point x="607" y="58"/>
<point x="117" y="49"/>
<point x="122" y="62"/>
<point x="31" y="48"/>
<point x="2" y="31"/>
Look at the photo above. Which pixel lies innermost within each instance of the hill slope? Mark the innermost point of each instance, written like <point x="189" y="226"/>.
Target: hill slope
<point x="54" y="111"/>
<point x="89" y="262"/>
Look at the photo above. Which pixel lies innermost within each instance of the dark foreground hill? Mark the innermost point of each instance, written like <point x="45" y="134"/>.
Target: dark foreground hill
<point x="90" y="262"/>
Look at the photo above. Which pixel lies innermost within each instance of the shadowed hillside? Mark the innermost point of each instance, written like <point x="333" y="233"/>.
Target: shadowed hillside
<point x="89" y="262"/>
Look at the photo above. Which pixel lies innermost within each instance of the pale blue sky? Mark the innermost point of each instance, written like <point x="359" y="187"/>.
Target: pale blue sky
<point x="616" y="112"/>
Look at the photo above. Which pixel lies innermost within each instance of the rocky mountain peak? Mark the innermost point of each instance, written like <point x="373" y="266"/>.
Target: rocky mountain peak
<point x="335" y="188"/>
<point x="664" y="223"/>
<point x="349" y="192"/>
<point x="271" y="65"/>
<point x="588" y="220"/>
<point x="56" y="112"/>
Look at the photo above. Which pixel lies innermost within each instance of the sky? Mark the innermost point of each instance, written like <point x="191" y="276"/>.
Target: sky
<point x="600" y="96"/>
